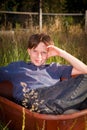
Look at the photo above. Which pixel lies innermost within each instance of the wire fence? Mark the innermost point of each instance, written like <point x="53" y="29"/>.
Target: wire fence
<point x="31" y="20"/>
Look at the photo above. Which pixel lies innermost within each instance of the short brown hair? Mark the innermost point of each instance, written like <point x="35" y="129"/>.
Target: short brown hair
<point x="35" y="39"/>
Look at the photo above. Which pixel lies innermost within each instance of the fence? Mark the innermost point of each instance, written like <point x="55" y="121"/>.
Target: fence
<point x="26" y="20"/>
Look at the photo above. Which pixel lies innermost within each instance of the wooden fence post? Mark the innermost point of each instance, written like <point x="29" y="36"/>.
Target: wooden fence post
<point x="40" y="15"/>
<point x="86" y="21"/>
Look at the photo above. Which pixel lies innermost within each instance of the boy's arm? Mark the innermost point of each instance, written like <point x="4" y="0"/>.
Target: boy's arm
<point x="78" y="66"/>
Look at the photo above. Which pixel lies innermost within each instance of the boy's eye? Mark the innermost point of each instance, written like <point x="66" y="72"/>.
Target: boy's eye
<point x="44" y="52"/>
<point x="34" y="51"/>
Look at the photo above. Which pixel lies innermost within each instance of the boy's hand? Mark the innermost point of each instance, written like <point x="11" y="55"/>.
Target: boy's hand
<point x="54" y="51"/>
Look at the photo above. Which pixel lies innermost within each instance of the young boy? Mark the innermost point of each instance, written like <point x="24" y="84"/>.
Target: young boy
<point x="38" y="85"/>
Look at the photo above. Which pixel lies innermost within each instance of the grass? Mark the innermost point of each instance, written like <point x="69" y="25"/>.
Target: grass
<point x="3" y="126"/>
<point x="13" y="44"/>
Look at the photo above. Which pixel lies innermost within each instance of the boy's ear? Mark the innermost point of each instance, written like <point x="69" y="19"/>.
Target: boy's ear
<point x="28" y="51"/>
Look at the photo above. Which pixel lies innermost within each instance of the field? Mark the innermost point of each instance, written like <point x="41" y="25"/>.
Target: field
<point x="13" y="44"/>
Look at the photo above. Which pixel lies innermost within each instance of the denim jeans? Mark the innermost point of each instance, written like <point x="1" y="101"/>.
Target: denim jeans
<point x="64" y="95"/>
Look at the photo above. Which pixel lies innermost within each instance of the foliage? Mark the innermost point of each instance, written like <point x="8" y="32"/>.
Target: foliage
<point x="10" y="21"/>
<point x="76" y="6"/>
<point x="54" y="6"/>
<point x="13" y="44"/>
<point x="3" y="126"/>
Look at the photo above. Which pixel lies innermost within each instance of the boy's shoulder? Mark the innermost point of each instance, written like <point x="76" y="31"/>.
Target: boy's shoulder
<point x="15" y="64"/>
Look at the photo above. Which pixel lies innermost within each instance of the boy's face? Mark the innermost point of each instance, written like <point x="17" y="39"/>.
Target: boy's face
<point x="38" y="55"/>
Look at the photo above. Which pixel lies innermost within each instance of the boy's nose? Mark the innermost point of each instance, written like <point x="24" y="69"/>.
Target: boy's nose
<point x="39" y="56"/>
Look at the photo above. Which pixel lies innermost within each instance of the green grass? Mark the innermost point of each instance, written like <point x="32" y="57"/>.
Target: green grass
<point x="13" y="45"/>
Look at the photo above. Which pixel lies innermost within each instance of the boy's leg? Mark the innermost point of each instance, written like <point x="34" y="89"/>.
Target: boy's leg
<point x="56" y="99"/>
<point x="64" y="95"/>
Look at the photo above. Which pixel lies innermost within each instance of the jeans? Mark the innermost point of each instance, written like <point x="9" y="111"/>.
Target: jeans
<point x="64" y="95"/>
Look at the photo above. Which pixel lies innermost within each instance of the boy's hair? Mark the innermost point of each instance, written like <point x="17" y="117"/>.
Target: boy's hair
<point x="35" y="39"/>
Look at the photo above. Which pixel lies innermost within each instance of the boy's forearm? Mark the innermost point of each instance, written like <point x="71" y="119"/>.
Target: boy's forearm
<point x="76" y="63"/>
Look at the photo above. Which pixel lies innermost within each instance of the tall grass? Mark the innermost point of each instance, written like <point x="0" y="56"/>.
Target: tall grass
<point x="3" y="126"/>
<point x="13" y="44"/>
<point x="13" y="47"/>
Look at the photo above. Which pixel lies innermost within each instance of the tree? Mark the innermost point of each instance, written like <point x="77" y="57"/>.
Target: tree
<point x="76" y="6"/>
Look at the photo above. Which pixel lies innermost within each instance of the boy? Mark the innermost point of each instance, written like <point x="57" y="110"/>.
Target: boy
<point x="38" y="85"/>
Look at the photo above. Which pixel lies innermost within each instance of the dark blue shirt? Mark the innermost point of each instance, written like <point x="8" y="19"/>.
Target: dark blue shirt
<point x="28" y="75"/>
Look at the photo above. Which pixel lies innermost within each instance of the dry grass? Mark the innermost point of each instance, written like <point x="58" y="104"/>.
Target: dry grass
<point x="72" y="38"/>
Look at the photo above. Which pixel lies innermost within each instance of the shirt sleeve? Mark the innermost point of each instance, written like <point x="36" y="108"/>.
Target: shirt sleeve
<point x="7" y="71"/>
<point x="61" y="71"/>
<point x="66" y="71"/>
